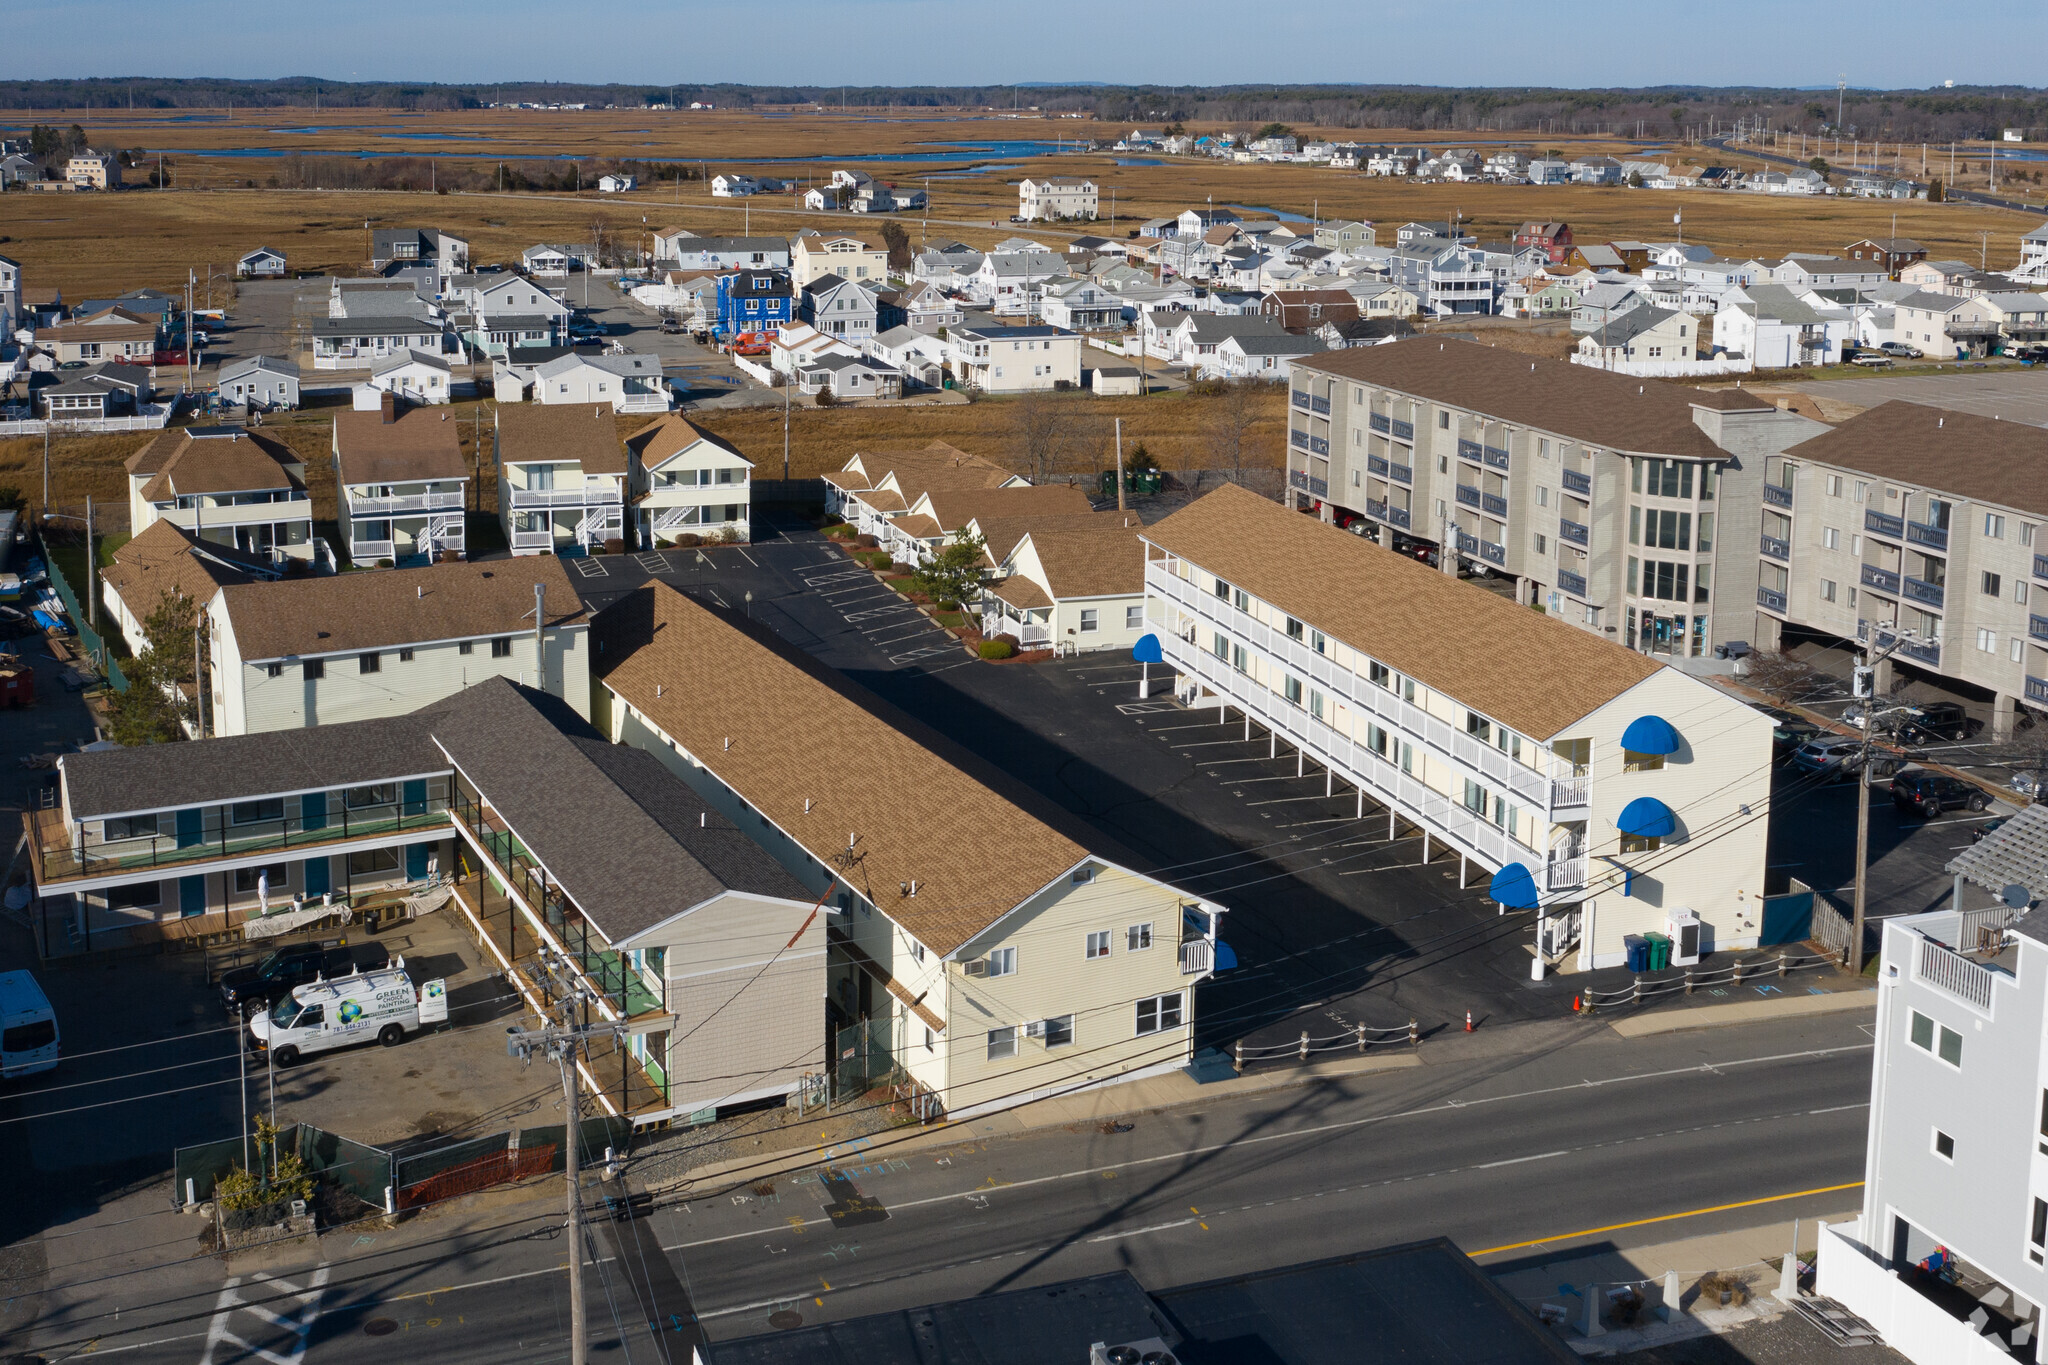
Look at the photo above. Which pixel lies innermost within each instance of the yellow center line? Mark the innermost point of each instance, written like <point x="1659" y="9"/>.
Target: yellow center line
<point x="1669" y="1217"/>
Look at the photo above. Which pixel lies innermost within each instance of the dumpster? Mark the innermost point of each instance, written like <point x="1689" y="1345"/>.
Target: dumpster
<point x="1660" y="951"/>
<point x="1638" y="951"/>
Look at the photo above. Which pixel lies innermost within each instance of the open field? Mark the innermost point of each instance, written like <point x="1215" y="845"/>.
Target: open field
<point x="1176" y="428"/>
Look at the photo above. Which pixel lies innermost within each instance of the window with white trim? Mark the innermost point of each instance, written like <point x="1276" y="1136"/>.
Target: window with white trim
<point x="1159" y="1013"/>
<point x="1002" y="962"/>
<point x="1002" y="1042"/>
<point x="1938" y="1039"/>
<point x="1098" y="944"/>
<point x="1137" y="938"/>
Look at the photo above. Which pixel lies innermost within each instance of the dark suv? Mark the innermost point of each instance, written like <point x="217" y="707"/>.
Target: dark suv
<point x="1929" y="793"/>
<point x="1939" y="720"/>
<point x="295" y="964"/>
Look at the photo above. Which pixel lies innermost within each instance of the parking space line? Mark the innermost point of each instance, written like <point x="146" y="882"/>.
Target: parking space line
<point x="1212" y="744"/>
<point x="660" y="564"/>
<point x="751" y="560"/>
<point x="591" y="568"/>
<point x="1289" y="800"/>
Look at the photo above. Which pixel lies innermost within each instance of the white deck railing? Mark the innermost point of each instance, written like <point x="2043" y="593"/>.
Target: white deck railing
<point x="593" y="495"/>
<point x="418" y="502"/>
<point x="1947" y="970"/>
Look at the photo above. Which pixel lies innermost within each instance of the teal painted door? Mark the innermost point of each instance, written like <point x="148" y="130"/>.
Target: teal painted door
<point x="415" y="797"/>
<point x="191" y="891"/>
<point x="191" y="827"/>
<point x="313" y="812"/>
<point x="318" y="871"/>
<point x="416" y="860"/>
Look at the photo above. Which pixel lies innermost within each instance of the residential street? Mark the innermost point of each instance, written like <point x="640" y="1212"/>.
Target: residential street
<point x="1540" y="1132"/>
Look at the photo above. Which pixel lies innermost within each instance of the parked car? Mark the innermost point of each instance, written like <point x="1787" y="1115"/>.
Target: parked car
<point x="1940" y="720"/>
<point x="295" y="964"/>
<point x="1900" y="350"/>
<point x="1930" y="793"/>
<point x="1836" y="757"/>
<point x="1789" y="730"/>
<point x="672" y="327"/>
<point x="1872" y="361"/>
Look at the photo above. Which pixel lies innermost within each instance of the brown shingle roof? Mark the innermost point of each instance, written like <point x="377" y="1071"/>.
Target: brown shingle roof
<point x="233" y="461"/>
<point x="1109" y="562"/>
<point x="387" y="608"/>
<point x="1595" y="406"/>
<point x="920" y="527"/>
<point x="1980" y="458"/>
<point x="1001" y="534"/>
<point x="161" y="561"/>
<point x="1020" y="591"/>
<point x="422" y="444"/>
<point x="1525" y="670"/>
<point x="671" y="435"/>
<point x="563" y="432"/>
<point x="955" y="507"/>
<point x="758" y="714"/>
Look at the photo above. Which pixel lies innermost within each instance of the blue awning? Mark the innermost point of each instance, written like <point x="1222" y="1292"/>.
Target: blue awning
<point x="1225" y="958"/>
<point x="1650" y="735"/>
<point x="1514" y="886"/>
<point x="1647" y="818"/>
<point x="1147" y="650"/>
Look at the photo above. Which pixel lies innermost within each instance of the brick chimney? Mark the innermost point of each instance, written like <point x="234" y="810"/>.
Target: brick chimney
<point x="388" y="406"/>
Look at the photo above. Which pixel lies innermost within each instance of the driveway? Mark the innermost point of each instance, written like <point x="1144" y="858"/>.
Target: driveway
<point x="2012" y="394"/>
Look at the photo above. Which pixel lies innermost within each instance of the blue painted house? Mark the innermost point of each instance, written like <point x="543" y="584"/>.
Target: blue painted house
<point x="754" y="301"/>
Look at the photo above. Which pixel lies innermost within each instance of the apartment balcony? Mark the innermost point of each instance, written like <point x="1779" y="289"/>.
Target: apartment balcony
<point x="1570" y="793"/>
<point x="1572" y="531"/>
<point x="2041" y="566"/>
<point x="359" y="507"/>
<point x="212" y="517"/>
<point x="1775" y="548"/>
<point x="61" y="854"/>
<point x="1300" y="399"/>
<point x="1577" y="482"/>
<point x="1469" y="450"/>
<point x="1573" y="583"/>
<point x="1564" y="874"/>
<point x="528" y="541"/>
<point x="1770" y="599"/>
<point x="1494" y="456"/>
<point x="1468" y="495"/>
<point x="2037" y="689"/>
<point x="1400" y="473"/>
<point x="1493" y="505"/>
<point x="1884" y="580"/>
<point x="1318" y="446"/>
<point x="1375" y="510"/>
<point x="1949" y="971"/>
<point x="1197" y="956"/>
<point x="642" y="402"/>
<point x="1319" y="405"/>
<point x="1920" y="651"/>
<point x="1921" y="591"/>
<point x="1932" y="537"/>
<point x="593" y="495"/>
<point x="1398" y="516"/>
<point x="1774" y="496"/>
<point x="1404" y="431"/>
<point x="2037" y="627"/>
<point x="1884" y="524"/>
<point x="1298" y="439"/>
<point x="1380" y="422"/>
<point x="1376" y="464"/>
<point x="1307" y="483"/>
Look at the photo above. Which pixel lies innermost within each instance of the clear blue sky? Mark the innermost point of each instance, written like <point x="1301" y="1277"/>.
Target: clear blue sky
<point x="900" y="42"/>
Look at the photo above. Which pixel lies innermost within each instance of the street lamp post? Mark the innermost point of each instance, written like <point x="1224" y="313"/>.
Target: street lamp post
<point x="1865" y="686"/>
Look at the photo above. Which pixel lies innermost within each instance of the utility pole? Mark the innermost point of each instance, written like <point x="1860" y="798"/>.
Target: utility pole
<point x="1864" y="686"/>
<point x="560" y="1044"/>
<point x="1120" y="465"/>
<point x="1841" y="91"/>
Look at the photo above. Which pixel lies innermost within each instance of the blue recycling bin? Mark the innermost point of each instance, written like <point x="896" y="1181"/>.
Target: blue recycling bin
<point x="1638" y="949"/>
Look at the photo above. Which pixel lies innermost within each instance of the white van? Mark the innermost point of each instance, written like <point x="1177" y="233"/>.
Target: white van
<point x="28" y="1027"/>
<point x="348" y="1010"/>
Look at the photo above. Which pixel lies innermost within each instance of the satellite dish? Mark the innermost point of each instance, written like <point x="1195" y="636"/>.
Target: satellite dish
<point x="2016" y="897"/>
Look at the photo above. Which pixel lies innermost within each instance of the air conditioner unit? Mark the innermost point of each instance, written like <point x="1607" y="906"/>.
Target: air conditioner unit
<point x="978" y="967"/>
<point x="1035" y="1029"/>
<point x="1150" y="1351"/>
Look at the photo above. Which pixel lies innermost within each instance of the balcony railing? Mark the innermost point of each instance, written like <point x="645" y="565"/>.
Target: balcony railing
<point x="1376" y="510"/>
<point x="2041" y="566"/>
<point x="1923" y="651"/>
<point x="1884" y="580"/>
<point x="1775" y="496"/>
<point x="1495" y="456"/>
<point x="1376" y="464"/>
<point x="1573" y="532"/>
<point x="1400" y="473"/>
<point x="1316" y="403"/>
<point x="1493" y="504"/>
<point x="422" y="502"/>
<point x="1298" y="439"/>
<point x="2037" y="689"/>
<point x="1300" y="399"/>
<point x="1468" y="495"/>
<point x="1308" y="483"/>
<point x="1318" y="446"/>
<point x="1884" y="524"/>
<point x="1947" y="970"/>
<point x="1568" y="793"/>
<point x="591" y="495"/>
<point x="1492" y="552"/>
<point x="1920" y="590"/>
<point x="1770" y="599"/>
<point x="1577" y="482"/>
<point x="1379" y="421"/>
<point x="1933" y="537"/>
<point x="63" y="855"/>
<point x="2037" y="626"/>
<point x="533" y="540"/>
<point x="1573" y="583"/>
<point x="1404" y="431"/>
<point x="1775" y="548"/>
<point x="1398" y="516"/>
<point x="1469" y="450"/>
<point x="1197" y="955"/>
<point x="1565" y="874"/>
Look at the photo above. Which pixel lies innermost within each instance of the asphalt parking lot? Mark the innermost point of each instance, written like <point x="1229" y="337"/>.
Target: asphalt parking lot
<point x="2012" y="394"/>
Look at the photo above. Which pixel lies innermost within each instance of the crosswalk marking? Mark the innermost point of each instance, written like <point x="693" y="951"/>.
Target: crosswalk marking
<point x="298" y="1326"/>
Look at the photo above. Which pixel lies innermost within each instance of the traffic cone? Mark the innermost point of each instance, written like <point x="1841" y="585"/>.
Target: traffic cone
<point x="1468" y="1021"/>
<point x="1576" y="1007"/>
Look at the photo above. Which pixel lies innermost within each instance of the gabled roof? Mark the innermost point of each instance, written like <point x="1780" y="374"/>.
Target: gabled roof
<point x="250" y="364"/>
<point x="404" y="359"/>
<point x="669" y="436"/>
<point x="196" y="460"/>
<point x="1977" y="458"/>
<point x="1931" y="302"/>
<point x="760" y="714"/>
<point x="419" y="444"/>
<point x="163" y="560"/>
<point x="561" y="432"/>
<point x="1448" y="635"/>
<point x="393" y="608"/>
<point x="1631" y="325"/>
<point x="1106" y="560"/>
<point x="953" y="508"/>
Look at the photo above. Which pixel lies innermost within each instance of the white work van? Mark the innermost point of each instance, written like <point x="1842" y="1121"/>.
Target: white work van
<point x="347" y="1010"/>
<point x="28" y="1027"/>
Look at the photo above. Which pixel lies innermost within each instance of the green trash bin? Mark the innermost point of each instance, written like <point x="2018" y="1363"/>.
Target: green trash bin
<point x="1660" y="951"/>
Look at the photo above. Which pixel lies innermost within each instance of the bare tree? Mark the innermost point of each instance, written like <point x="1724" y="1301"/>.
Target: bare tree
<point x="1234" y="409"/>
<point x="1044" y="430"/>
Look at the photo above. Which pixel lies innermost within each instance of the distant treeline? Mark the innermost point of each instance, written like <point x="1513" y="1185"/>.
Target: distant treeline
<point x="1894" y="115"/>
